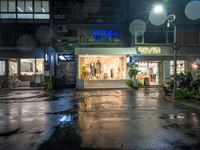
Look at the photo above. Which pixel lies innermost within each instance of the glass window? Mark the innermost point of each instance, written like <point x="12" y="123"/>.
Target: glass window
<point x="98" y="67"/>
<point x="155" y="37"/>
<point x="180" y="67"/>
<point x="29" y="6"/>
<point x="39" y="66"/>
<point x="20" y="5"/>
<point x="41" y="16"/>
<point x="11" y="6"/>
<point x="2" y="68"/>
<point x="45" y="6"/>
<point x="4" y="6"/>
<point x="25" y="16"/>
<point x="8" y="16"/>
<point x="13" y="67"/>
<point x="139" y="39"/>
<point x="27" y="66"/>
<point x="38" y="6"/>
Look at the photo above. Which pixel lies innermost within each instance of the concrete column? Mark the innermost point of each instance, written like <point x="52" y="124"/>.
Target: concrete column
<point x="166" y="71"/>
<point x="160" y="73"/>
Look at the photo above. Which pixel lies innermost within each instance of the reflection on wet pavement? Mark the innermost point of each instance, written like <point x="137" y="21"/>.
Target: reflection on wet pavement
<point x="28" y="119"/>
<point x="125" y="119"/>
<point x="98" y="119"/>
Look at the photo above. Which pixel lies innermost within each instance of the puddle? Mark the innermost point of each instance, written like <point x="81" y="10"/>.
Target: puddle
<point x="65" y="136"/>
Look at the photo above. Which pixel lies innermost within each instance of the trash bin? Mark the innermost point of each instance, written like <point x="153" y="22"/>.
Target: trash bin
<point x="146" y="82"/>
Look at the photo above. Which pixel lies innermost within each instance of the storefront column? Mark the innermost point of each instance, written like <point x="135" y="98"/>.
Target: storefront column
<point x="6" y="73"/>
<point x="160" y="72"/>
<point x="166" y="72"/>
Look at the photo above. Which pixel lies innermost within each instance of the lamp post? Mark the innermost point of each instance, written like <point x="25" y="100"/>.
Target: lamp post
<point x="159" y="9"/>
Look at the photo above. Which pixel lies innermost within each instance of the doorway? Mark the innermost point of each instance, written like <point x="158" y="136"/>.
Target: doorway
<point x="148" y="70"/>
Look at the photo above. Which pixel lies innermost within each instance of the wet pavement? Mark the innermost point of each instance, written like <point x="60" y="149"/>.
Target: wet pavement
<point x="97" y="119"/>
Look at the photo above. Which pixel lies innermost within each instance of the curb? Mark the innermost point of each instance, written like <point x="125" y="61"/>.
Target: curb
<point x="20" y="89"/>
<point x="170" y="99"/>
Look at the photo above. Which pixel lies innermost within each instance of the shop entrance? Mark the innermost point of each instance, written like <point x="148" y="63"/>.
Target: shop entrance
<point x="3" y="79"/>
<point x="149" y="72"/>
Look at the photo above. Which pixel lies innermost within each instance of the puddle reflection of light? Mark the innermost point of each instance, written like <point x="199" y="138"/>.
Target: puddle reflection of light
<point x="172" y="116"/>
<point x="67" y="118"/>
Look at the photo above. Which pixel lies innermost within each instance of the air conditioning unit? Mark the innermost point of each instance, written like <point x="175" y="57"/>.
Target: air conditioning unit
<point x="61" y="28"/>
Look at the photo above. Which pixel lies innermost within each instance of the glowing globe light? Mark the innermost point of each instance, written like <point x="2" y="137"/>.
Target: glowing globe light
<point x="158" y="9"/>
<point x="192" y="10"/>
<point x="158" y="17"/>
<point x="137" y="27"/>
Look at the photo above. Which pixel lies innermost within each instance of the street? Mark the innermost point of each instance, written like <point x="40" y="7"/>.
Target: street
<point x="96" y="119"/>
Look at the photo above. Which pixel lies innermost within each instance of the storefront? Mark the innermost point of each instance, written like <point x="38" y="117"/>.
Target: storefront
<point x="102" y="67"/>
<point x="155" y="63"/>
<point x="21" y="69"/>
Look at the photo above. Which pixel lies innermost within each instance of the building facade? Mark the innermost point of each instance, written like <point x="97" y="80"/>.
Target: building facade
<point x="24" y="37"/>
<point x="89" y="43"/>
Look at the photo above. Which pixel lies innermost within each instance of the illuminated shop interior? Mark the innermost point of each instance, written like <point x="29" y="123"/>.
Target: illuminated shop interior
<point x="148" y="70"/>
<point x="180" y="67"/>
<point x="31" y="66"/>
<point x="2" y="68"/>
<point x="102" y="67"/>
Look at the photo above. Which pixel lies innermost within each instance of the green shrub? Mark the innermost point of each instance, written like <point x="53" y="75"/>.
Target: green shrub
<point x="130" y="83"/>
<point x="185" y="93"/>
<point x="134" y="84"/>
<point x="48" y="86"/>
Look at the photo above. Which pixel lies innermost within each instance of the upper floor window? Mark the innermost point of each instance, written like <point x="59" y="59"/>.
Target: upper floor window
<point x="155" y="37"/>
<point x="106" y="35"/>
<point x="24" y="9"/>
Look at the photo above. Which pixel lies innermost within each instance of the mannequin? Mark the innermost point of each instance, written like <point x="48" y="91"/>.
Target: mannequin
<point x="92" y="69"/>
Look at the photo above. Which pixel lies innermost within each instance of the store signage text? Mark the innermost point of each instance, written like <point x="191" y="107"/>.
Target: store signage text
<point x="149" y="50"/>
<point x="65" y="57"/>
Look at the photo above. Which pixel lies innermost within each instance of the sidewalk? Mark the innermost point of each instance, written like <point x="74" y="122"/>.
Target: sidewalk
<point x="21" y="88"/>
<point x="185" y="103"/>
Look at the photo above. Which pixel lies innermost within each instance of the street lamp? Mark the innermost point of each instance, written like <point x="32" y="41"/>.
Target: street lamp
<point x="157" y="10"/>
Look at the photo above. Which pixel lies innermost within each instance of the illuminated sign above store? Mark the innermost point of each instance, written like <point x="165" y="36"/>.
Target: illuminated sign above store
<point x="149" y="50"/>
<point x="65" y="57"/>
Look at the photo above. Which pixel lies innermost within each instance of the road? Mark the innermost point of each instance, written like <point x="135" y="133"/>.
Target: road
<point x="99" y="119"/>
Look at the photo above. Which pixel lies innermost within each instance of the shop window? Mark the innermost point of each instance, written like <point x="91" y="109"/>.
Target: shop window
<point x="32" y="66"/>
<point x="39" y="66"/>
<point x="13" y="69"/>
<point x="102" y="67"/>
<point x="2" y="68"/>
<point x="27" y="66"/>
<point x="180" y="67"/>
